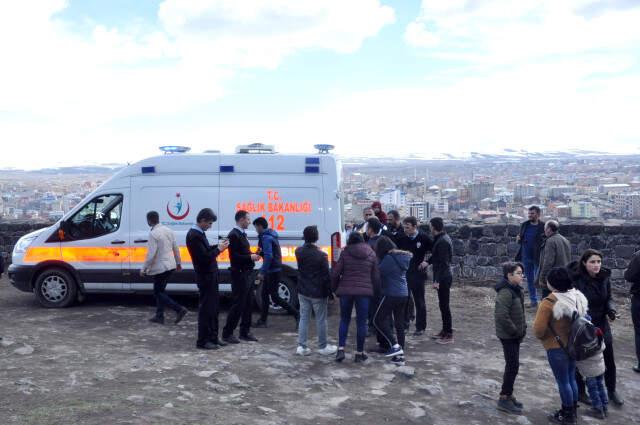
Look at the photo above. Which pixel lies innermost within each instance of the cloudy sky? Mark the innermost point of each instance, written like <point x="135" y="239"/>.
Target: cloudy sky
<point x="91" y="81"/>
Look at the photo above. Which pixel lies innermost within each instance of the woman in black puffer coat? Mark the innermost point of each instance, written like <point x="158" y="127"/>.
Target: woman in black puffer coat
<point x="593" y="280"/>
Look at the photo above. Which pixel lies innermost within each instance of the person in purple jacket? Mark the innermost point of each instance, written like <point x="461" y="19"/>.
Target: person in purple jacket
<point x="355" y="279"/>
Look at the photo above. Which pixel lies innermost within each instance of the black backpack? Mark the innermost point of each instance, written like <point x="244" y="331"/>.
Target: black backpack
<point x="584" y="339"/>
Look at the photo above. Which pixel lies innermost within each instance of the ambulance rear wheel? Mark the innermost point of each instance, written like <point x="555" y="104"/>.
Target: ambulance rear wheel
<point x="56" y="288"/>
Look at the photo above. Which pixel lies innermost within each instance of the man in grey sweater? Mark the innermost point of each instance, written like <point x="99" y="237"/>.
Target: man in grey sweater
<point x="556" y="252"/>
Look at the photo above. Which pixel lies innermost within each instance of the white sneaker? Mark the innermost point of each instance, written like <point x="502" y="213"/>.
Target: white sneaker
<point x="328" y="350"/>
<point x="303" y="351"/>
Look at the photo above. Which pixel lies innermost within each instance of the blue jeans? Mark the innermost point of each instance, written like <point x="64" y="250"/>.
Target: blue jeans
<point x="362" y="315"/>
<point x="597" y="392"/>
<point x="531" y="270"/>
<point x="319" y="307"/>
<point x="564" y="370"/>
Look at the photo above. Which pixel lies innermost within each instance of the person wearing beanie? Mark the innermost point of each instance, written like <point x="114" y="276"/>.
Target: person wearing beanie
<point x="552" y="326"/>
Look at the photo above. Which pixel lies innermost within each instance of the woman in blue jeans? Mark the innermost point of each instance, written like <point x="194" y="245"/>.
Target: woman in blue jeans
<point x="552" y="326"/>
<point x="355" y="279"/>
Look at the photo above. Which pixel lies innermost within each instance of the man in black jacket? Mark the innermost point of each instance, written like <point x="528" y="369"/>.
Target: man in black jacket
<point x="441" y="256"/>
<point x="418" y="243"/>
<point x="203" y="257"/>
<point x="242" y="264"/>
<point x="530" y="238"/>
<point x="394" y="227"/>
<point x="632" y="275"/>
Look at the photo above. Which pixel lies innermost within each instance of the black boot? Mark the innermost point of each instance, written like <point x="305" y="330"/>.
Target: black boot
<point x="569" y="416"/>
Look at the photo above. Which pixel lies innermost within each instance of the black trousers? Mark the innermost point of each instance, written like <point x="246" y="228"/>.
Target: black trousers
<point x="409" y="312"/>
<point x="242" y="302"/>
<point x="511" y="349"/>
<point x="635" y="316"/>
<point x="162" y="298"/>
<point x="416" y="281"/>
<point x="389" y="314"/>
<point x="444" y="297"/>
<point x="609" y="360"/>
<point x="270" y="289"/>
<point x="207" y="307"/>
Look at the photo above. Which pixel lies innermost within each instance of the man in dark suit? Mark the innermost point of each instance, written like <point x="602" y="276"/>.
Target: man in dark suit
<point x="242" y="264"/>
<point x="203" y="257"/>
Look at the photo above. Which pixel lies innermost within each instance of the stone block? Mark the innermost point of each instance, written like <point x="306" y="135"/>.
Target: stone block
<point x="464" y="232"/>
<point x="489" y="250"/>
<point x="477" y="231"/>
<point x="473" y="247"/>
<point x="625" y="251"/>
<point x="458" y="247"/>
<point x="597" y="242"/>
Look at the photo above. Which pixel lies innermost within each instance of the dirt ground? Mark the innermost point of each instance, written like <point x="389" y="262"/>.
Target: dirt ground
<point x="102" y="363"/>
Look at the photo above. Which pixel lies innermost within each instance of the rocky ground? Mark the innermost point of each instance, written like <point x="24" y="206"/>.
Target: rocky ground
<point x="101" y="363"/>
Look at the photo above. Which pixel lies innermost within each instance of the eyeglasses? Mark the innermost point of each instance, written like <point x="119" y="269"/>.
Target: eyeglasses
<point x="518" y="274"/>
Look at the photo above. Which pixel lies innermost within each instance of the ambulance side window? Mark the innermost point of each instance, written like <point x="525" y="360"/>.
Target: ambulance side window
<point x="99" y="217"/>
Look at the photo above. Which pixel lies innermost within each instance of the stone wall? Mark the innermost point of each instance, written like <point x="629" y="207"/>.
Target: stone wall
<point x="479" y="250"/>
<point x="11" y="231"/>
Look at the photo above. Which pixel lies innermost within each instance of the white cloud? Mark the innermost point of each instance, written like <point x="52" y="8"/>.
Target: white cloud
<point x="53" y="73"/>
<point x="541" y="75"/>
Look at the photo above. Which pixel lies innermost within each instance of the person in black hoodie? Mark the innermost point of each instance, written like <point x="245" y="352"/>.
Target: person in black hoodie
<point x="593" y="280"/>
<point x="632" y="275"/>
<point x="417" y="243"/>
<point x="203" y="257"/>
<point x="442" y="254"/>
<point x="242" y="264"/>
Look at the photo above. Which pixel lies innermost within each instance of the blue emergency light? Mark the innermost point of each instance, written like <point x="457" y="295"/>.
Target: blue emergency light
<point x="324" y="149"/>
<point x="174" y="149"/>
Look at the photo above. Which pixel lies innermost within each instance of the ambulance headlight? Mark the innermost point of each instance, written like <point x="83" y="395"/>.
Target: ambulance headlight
<point x="23" y="243"/>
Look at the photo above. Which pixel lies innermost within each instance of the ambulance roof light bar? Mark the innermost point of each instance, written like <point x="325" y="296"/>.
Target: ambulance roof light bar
<point x="324" y="149"/>
<point x="256" y="148"/>
<point x="168" y="150"/>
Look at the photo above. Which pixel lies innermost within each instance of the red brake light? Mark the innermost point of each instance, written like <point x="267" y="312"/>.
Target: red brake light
<point x="336" y="247"/>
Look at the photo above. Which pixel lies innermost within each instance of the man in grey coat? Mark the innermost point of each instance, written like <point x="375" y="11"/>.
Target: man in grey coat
<point x="556" y="252"/>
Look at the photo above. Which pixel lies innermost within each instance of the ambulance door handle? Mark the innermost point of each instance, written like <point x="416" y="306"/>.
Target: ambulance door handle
<point x="117" y="242"/>
<point x="140" y="241"/>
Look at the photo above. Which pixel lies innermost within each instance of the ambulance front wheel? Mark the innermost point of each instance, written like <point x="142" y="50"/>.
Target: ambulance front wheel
<point x="56" y="288"/>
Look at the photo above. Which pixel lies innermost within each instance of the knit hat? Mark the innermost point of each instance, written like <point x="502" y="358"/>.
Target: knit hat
<point x="559" y="278"/>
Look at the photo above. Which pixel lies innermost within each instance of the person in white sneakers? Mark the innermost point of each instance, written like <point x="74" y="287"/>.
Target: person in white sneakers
<point x="314" y="288"/>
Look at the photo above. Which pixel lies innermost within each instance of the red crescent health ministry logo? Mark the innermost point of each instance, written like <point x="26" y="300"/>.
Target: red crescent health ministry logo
<point x="175" y="210"/>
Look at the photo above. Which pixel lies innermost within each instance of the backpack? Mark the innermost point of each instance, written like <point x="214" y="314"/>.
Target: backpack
<point x="585" y="339"/>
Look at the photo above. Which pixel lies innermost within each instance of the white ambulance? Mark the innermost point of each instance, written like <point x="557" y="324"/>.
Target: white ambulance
<point x="101" y="244"/>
